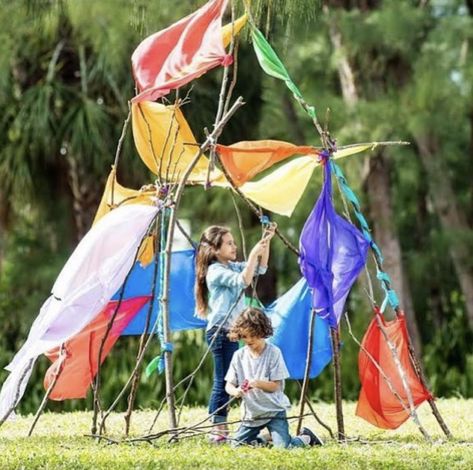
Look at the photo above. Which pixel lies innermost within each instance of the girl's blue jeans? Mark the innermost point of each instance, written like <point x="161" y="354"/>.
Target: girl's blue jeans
<point x="278" y="428"/>
<point x="222" y="351"/>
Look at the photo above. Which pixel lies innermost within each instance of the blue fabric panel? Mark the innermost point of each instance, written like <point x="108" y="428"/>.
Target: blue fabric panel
<point x="290" y="316"/>
<point x="182" y="303"/>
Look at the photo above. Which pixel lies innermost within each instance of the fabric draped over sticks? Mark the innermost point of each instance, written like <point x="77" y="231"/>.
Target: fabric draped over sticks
<point x="332" y="254"/>
<point x="181" y="294"/>
<point x="77" y="370"/>
<point x="166" y="144"/>
<point x="281" y="190"/>
<point x="290" y="317"/>
<point x="246" y="159"/>
<point x="80" y="365"/>
<point x="291" y="180"/>
<point x="289" y="314"/>
<point x="93" y="273"/>
<point x="377" y="404"/>
<point x="173" y="57"/>
<point x="115" y="195"/>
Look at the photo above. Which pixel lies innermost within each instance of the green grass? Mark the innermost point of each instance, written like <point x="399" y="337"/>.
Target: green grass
<point x="60" y="441"/>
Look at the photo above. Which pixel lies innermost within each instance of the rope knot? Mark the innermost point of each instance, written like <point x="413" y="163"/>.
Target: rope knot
<point x="264" y="219"/>
<point x="226" y="60"/>
<point x="324" y="156"/>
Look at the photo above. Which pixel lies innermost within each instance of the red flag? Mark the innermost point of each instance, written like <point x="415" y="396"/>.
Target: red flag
<point x="79" y="367"/>
<point x="377" y="404"/>
<point x="185" y="50"/>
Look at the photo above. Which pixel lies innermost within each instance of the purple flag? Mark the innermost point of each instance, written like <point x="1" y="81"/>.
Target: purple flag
<point x="332" y="254"/>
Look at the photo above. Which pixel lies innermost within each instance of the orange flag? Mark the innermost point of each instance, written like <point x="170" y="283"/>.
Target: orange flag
<point x="244" y="160"/>
<point x="78" y="368"/>
<point x="377" y="404"/>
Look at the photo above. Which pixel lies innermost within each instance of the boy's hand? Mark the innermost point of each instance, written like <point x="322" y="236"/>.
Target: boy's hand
<point x="253" y="384"/>
<point x="245" y="386"/>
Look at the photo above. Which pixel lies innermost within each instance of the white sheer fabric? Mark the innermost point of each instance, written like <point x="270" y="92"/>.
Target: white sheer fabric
<point x="93" y="273"/>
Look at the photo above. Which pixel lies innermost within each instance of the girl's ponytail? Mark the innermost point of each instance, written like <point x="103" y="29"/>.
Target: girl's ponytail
<point x="210" y="242"/>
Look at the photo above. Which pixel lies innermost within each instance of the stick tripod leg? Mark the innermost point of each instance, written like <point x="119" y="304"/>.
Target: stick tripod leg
<point x="335" y="335"/>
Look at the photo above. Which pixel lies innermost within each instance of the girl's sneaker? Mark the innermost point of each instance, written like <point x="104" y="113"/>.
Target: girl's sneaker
<point x="217" y="439"/>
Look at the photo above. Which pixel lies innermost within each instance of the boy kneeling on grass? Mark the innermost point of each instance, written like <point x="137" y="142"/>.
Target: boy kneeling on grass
<point x="256" y="374"/>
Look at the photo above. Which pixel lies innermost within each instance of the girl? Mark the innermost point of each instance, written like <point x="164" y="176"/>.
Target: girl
<point x="220" y="282"/>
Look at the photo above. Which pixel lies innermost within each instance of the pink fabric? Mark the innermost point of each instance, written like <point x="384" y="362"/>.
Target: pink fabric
<point x="176" y="55"/>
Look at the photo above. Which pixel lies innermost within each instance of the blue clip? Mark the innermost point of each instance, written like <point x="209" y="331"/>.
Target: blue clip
<point x="264" y="219"/>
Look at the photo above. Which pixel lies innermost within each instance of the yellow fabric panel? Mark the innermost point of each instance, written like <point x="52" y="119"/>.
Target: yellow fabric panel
<point x="227" y="29"/>
<point x="146" y="253"/>
<point x="165" y="142"/>
<point x="120" y="195"/>
<point x="281" y="190"/>
<point x="352" y="150"/>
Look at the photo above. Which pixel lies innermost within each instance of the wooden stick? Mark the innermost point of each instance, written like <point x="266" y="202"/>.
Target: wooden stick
<point x="240" y="226"/>
<point x="308" y="364"/>
<point x="337" y="379"/>
<point x="167" y="269"/>
<point x="315" y="415"/>
<point x="185" y="234"/>
<point x="57" y="373"/>
<point x="254" y="208"/>
<point x="415" y="362"/>
<point x="238" y="103"/>
<point x="402" y="375"/>
<point x="96" y="386"/>
<point x="119" y="149"/>
<point x="422" y="378"/>
<point x="164" y="301"/>
<point x="221" y="100"/>
<point x="383" y="374"/>
<point x="27" y="368"/>
<point x="191" y="376"/>
<point x="136" y="376"/>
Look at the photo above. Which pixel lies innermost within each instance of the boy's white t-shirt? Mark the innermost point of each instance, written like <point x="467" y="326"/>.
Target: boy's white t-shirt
<point x="256" y="403"/>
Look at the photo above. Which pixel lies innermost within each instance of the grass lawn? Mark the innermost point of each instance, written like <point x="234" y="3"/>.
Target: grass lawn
<point x="60" y="441"/>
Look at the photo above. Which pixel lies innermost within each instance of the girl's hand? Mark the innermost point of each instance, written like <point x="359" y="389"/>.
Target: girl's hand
<point x="259" y="248"/>
<point x="270" y="231"/>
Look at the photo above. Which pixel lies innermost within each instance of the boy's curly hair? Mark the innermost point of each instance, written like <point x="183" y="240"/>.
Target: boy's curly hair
<point x="252" y="320"/>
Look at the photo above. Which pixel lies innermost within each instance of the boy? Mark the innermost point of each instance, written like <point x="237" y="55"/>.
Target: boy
<point x="256" y="374"/>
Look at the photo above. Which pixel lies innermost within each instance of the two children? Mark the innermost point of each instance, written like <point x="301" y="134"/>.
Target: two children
<point x="220" y="282"/>
<point x="255" y="373"/>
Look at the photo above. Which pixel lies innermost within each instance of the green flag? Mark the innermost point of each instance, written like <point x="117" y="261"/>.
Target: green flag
<point x="272" y="65"/>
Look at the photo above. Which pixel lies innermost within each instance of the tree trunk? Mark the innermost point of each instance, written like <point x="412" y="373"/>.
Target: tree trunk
<point x="4" y="210"/>
<point x="292" y="119"/>
<point x="85" y="194"/>
<point x="378" y="183"/>
<point x="452" y="219"/>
